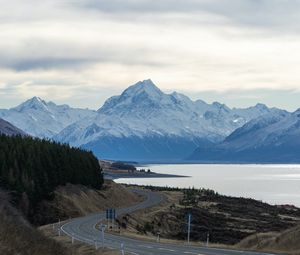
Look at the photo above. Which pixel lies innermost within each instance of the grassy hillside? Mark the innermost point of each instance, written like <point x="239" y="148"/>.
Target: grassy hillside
<point x="78" y="200"/>
<point x="285" y="242"/>
<point x="18" y="237"/>
<point x="33" y="168"/>
<point x="228" y="220"/>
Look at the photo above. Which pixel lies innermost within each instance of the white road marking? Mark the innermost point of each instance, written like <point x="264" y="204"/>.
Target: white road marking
<point x="133" y="253"/>
<point x="164" y="249"/>
<point x="146" y="246"/>
<point x="195" y="253"/>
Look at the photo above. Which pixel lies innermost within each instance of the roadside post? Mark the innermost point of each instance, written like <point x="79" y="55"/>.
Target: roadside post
<point x="207" y="240"/>
<point x="122" y="249"/>
<point x="189" y="228"/>
<point x="95" y="243"/>
<point x="102" y="234"/>
<point x="158" y="237"/>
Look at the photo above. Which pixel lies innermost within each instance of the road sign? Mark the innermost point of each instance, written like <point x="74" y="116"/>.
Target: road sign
<point x="111" y="214"/>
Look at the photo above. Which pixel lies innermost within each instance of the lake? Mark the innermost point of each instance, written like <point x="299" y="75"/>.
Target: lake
<point x="275" y="184"/>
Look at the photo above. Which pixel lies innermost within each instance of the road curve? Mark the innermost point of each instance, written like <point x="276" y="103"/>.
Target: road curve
<point x="83" y="229"/>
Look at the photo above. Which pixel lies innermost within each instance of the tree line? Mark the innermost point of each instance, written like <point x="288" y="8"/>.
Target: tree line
<point x="33" y="168"/>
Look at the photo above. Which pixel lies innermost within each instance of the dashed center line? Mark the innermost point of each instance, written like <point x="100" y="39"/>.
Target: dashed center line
<point x="164" y="249"/>
<point x="146" y="246"/>
<point x="189" y="252"/>
<point x="133" y="253"/>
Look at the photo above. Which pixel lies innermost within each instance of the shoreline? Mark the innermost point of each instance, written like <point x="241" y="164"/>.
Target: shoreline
<point x="114" y="176"/>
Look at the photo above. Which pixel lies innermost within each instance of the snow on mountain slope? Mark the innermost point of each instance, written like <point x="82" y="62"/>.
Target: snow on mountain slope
<point x="269" y="138"/>
<point x="143" y="104"/>
<point x="41" y="119"/>
<point x="8" y="129"/>
<point x="145" y="122"/>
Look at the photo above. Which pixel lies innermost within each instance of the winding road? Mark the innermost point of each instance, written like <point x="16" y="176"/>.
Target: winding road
<point x="84" y="229"/>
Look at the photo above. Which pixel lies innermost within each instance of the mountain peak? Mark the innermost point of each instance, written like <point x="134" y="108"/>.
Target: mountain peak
<point x="33" y="103"/>
<point x="141" y="92"/>
<point x="261" y="106"/>
<point x="145" y="86"/>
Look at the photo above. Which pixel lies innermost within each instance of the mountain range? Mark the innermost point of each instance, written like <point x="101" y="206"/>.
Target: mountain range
<point x="146" y="124"/>
<point x="43" y="119"/>
<point x="272" y="138"/>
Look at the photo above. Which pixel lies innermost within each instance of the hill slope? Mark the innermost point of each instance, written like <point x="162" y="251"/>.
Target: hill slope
<point x="8" y="129"/>
<point x="33" y="168"/>
<point x="18" y="237"/>
<point x="286" y="241"/>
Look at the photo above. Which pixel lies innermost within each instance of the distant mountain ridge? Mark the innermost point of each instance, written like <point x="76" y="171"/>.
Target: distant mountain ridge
<point x="273" y="138"/>
<point x="141" y="124"/>
<point x="43" y="119"/>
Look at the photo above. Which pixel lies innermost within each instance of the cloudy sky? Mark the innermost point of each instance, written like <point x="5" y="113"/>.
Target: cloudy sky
<point x="238" y="52"/>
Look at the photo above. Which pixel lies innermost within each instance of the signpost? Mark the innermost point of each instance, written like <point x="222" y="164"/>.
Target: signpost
<point x="111" y="216"/>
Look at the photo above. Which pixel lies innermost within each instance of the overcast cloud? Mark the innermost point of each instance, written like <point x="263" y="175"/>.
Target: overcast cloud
<point x="81" y="52"/>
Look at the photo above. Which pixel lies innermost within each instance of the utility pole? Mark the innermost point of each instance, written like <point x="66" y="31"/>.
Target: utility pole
<point x="189" y="228"/>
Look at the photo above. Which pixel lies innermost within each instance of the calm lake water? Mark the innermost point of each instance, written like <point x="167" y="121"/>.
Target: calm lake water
<point x="275" y="184"/>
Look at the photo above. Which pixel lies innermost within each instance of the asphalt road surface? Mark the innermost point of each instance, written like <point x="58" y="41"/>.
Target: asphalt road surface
<point x="84" y="229"/>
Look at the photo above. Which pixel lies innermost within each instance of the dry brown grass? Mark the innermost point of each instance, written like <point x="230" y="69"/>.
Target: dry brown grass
<point x="77" y="200"/>
<point x="142" y="216"/>
<point x="80" y="200"/>
<point x="73" y="201"/>
<point x="18" y="237"/>
<point x="285" y="242"/>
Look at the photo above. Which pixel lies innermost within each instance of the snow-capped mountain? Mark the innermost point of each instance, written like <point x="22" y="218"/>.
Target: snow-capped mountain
<point x="269" y="138"/>
<point x="43" y="119"/>
<point x="143" y="123"/>
<point x="8" y="129"/>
